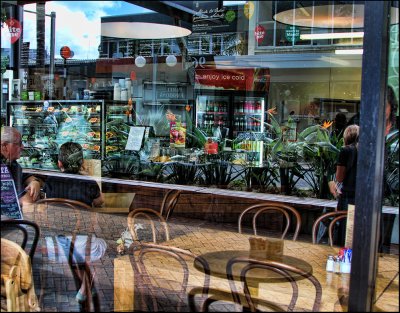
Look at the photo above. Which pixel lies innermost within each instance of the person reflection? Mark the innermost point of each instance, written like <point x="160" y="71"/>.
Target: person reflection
<point x="70" y="160"/>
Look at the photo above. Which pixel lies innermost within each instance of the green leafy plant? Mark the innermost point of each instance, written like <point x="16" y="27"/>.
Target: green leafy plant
<point x="121" y="166"/>
<point x="264" y="178"/>
<point x="183" y="174"/>
<point x="287" y="154"/>
<point x="219" y="173"/>
<point x="320" y="151"/>
<point x="152" y="172"/>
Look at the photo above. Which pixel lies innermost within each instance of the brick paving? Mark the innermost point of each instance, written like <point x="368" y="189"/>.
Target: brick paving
<point x="54" y="281"/>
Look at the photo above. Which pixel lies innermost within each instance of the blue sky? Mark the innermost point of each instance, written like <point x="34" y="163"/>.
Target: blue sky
<point x="77" y="24"/>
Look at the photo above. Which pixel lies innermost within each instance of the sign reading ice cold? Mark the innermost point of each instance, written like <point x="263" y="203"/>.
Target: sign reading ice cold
<point x="9" y="200"/>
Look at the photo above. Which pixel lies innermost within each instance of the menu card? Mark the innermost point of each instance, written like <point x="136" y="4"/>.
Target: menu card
<point x="350" y="226"/>
<point x="9" y="200"/>
<point x="135" y="138"/>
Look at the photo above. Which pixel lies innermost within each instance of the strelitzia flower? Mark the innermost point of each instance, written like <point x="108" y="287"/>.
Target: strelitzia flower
<point x="327" y="124"/>
<point x="272" y="111"/>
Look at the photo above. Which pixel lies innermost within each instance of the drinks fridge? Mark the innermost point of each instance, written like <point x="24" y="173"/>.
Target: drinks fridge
<point x="238" y="116"/>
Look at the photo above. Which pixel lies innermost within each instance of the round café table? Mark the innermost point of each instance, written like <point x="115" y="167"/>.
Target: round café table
<point x="218" y="260"/>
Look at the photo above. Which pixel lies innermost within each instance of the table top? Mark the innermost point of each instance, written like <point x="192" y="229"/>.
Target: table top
<point x="211" y="243"/>
<point x="218" y="260"/>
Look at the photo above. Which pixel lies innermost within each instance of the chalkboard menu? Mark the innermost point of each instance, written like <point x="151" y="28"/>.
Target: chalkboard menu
<point x="9" y="200"/>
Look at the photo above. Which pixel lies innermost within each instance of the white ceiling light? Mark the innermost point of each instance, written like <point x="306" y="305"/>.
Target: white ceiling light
<point x="324" y="15"/>
<point x="141" y="30"/>
<point x="171" y="60"/>
<point x="349" y="51"/>
<point x="331" y="36"/>
<point x="140" y="61"/>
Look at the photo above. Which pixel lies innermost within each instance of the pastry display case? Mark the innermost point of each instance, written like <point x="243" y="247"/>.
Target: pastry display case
<point x="46" y="125"/>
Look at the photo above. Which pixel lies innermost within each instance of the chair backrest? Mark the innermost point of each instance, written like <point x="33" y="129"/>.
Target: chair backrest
<point x="19" y="224"/>
<point x="74" y="203"/>
<point x="169" y="202"/>
<point x="336" y="215"/>
<point x="150" y="215"/>
<point x="166" y="209"/>
<point x="257" y="209"/>
<point x="75" y="245"/>
<point x="284" y="270"/>
<point x="16" y="278"/>
<point x="156" y="279"/>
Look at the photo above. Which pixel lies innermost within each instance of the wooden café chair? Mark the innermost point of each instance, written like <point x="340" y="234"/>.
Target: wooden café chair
<point x="163" y="275"/>
<point x="79" y="218"/>
<point x="288" y="273"/>
<point x="243" y="300"/>
<point x="166" y="209"/>
<point x="19" y="225"/>
<point x="17" y="285"/>
<point x="257" y="209"/>
<point x="335" y="216"/>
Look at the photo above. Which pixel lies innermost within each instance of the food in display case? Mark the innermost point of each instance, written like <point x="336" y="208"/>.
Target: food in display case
<point x="46" y="125"/>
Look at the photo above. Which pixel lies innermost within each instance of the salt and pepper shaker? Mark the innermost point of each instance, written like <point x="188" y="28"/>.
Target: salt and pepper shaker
<point x="330" y="264"/>
<point x="336" y="265"/>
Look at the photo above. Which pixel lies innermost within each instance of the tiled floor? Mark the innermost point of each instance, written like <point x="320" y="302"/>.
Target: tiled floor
<point x="54" y="281"/>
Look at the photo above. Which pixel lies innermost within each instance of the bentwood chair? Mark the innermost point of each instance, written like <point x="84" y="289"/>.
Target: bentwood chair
<point x="257" y="209"/>
<point x="163" y="275"/>
<point x="17" y="286"/>
<point x="69" y="240"/>
<point x="20" y="226"/>
<point x="335" y="216"/>
<point x="290" y="274"/>
<point x="152" y="216"/>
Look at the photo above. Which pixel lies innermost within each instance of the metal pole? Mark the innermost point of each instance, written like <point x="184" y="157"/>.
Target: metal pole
<point x="52" y="48"/>
<point x="65" y="80"/>
<point x="370" y="163"/>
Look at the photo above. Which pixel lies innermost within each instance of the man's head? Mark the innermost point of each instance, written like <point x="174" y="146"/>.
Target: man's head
<point x="391" y="108"/>
<point x="70" y="157"/>
<point x="11" y="143"/>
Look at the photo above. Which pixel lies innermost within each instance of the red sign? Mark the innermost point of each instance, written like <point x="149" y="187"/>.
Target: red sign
<point x="259" y="33"/>
<point x="15" y="29"/>
<point x="65" y="52"/>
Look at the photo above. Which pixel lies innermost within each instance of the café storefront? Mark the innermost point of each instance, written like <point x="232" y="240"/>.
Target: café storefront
<point x="227" y="104"/>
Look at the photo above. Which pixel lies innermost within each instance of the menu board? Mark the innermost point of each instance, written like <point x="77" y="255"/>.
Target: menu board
<point x="135" y="138"/>
<point x="9" y="200"/>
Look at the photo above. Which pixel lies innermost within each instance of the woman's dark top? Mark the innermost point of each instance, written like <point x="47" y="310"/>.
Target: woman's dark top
<point x="72" y="188"/>
<point x="348" y="159"/>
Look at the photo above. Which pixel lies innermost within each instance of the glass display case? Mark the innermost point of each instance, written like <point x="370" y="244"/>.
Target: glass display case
<point x="46" y="125"/>
<point x="100" y="126"/>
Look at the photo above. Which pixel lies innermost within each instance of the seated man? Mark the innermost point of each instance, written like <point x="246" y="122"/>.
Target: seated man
<point x="70" y="160"/>
<point x="11" y="147"/>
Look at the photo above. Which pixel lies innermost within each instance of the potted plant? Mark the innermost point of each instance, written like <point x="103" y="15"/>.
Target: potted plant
<point x="320" y="151"/>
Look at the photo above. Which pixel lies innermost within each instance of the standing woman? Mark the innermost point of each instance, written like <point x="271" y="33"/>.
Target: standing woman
<point x="343" y="187"/>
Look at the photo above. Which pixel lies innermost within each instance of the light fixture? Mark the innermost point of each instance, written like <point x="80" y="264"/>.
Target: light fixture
<point x="349" y="51"/>
<point x="171" y="60"/>
<point x="317" y="36"/>
<point x="325" y="14"/>
<point x="141" y="30"/>
<point x="140" y="61"/>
